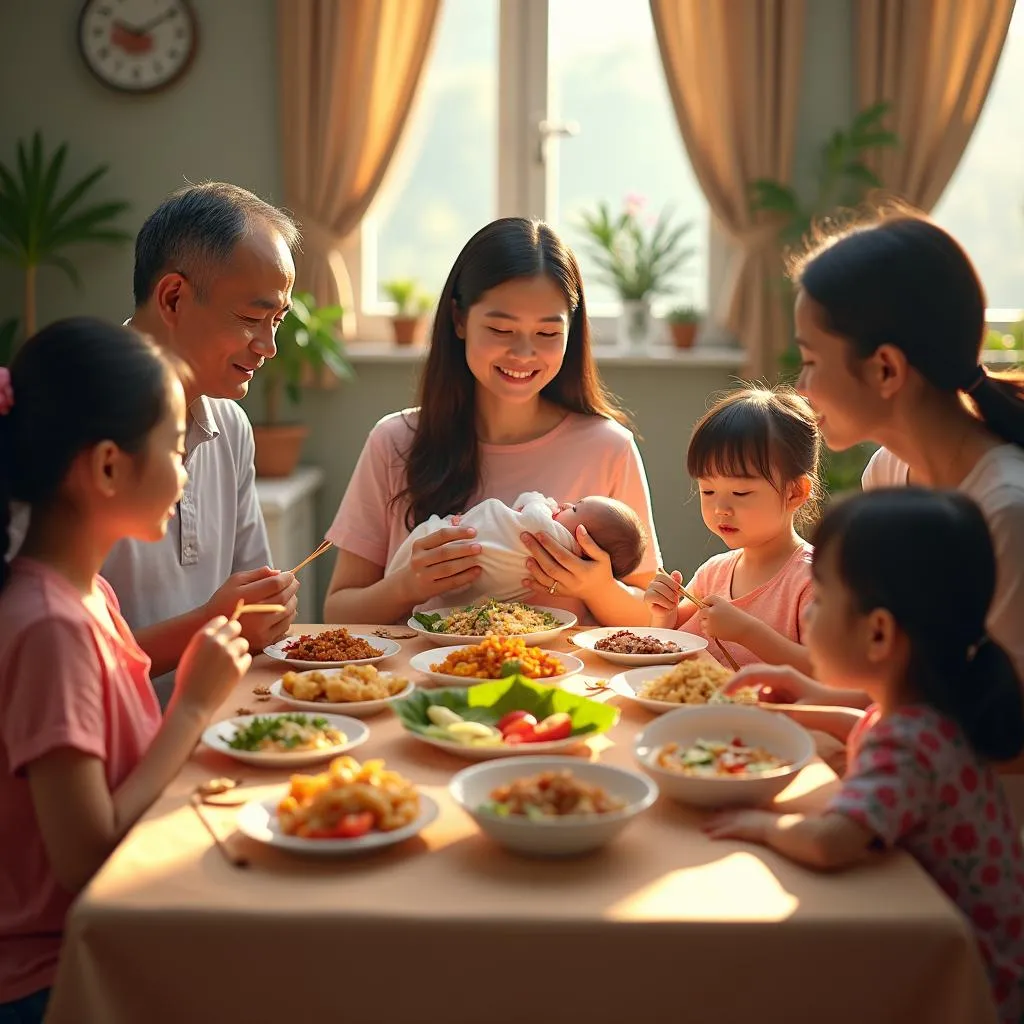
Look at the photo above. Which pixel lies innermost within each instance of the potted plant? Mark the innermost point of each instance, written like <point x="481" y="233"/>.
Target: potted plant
<point x="39" y="219"/>
<point x="638" y="263"/>
<point x="411" y="305"/>
<point x="683" y="322"/>
<point x="308" y="345"/>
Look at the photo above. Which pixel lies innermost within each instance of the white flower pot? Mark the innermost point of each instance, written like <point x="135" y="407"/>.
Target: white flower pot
<point x="636" y="324"/>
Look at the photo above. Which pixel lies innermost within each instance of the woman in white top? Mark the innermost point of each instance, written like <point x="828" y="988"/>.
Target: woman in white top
<point x="890" y="321"/>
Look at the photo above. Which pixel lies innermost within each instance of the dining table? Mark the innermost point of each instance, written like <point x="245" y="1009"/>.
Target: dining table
<point x="662" y="924"/>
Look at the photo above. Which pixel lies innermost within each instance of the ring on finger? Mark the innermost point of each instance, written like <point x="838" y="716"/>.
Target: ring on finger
<point x="553" y="587"/>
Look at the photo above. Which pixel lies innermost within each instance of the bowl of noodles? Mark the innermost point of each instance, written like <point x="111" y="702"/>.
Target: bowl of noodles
<point x="694" y="681"/>
<point x="723" y="755"/>
<point x="470" y="623"/>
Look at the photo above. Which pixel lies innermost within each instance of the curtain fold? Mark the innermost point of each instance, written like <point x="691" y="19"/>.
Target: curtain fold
<point x="733" y="69"/>
<point x="933" y="61"/>
<point x="349" y="70"/>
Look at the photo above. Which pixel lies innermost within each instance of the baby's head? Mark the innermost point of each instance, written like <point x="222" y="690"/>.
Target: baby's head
<point x="615" y="527"/>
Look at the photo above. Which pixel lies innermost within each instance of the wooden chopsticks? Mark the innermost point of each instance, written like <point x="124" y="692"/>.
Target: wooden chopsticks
<point x="700" y="604"/>
<point x="234" y="859"/>
<point x="324" y="546"/>
<point x="242" y="609"/>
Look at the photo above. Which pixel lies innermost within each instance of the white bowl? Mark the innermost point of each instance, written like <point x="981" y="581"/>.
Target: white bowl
<point x="689" y="723"/>
<point x="421" y="663"/>
<point x="355" y="708"/>
<point x="218" y="736"/>
<point x="565" y="836"/>
<point x="388" y="648"/>
<point x="565" y="619"/>
<point x="688" y="644"/>
<point x="258" y="820"/>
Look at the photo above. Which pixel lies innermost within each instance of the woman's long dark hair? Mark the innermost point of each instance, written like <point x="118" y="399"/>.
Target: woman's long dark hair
<point x="443" y="461"/>
<point x="927" y="558"/>
<point x="901" y="280"/>
<point x="75" y="383"/>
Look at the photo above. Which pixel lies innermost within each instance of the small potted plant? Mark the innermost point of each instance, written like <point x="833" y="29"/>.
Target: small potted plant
<point x="411" y="305"/>
<point x="308" y="347"/>
<point x="683" y="322"/>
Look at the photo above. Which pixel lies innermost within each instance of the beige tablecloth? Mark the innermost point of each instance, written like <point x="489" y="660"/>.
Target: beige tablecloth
<point x="661" y="925"/>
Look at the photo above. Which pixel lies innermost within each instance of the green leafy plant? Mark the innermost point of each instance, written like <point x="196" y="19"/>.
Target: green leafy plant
<point x="407" y="296"/>
<point x="307" y="341"/>
<point x="684" y="315"/>
<point x="636" y="262"/>
<point x="39" y="218"/>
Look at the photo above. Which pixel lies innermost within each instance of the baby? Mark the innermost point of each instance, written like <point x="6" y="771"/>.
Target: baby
<point x="615" y="527"/>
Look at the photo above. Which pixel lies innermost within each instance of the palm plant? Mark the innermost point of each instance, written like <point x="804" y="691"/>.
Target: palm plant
<point x="38" y="220"/>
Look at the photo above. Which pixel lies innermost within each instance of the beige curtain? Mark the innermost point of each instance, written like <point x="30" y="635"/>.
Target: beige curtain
<point x="933" y="60"/>
<point x="348" y="74"/>
<point x="734" y="72"/>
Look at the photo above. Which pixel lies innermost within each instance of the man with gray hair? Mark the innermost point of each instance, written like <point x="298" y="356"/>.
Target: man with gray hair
<point x="213" y="279"/>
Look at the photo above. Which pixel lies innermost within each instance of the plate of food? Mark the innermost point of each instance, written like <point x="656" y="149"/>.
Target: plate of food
<point x="466" y="625"/>
<point x="551" y="806"/>
<point x="348" y="809"/>
<point x="504" y="718"/>
<point x="494" y="657"/>
<point x="357" y="690"/>
<point x="640" y="645"/>
<point x="692" y="681"/>
<point x="332" y="648"/>
<point x="284" y="740"/>
<point x="723" y="755"/>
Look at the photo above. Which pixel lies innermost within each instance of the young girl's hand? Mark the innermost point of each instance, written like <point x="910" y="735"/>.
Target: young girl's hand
<point x="779" y="684"/>
<point x="720" y="618"/>
<point x="553" y="566"/>
<point x="214" y="661"/>
<point x="662" y="599"/>
<point x="752" y="826"/>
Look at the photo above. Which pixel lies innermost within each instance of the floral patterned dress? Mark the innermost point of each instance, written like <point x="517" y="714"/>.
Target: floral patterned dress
<point x="915" y="782"/>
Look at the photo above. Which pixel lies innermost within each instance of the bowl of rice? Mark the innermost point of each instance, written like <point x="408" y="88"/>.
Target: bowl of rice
<point x="470" y="623"/>
<point x="723" y="755"/>
<point x="693" y="681"/>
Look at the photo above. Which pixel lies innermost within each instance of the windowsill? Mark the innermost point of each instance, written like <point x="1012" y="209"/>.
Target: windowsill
<point x="717" y="357"/>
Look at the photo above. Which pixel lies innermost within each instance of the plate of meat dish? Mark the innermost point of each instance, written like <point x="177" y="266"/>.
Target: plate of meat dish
<point x="640" y="645"/>
<point x="332" y="648"/>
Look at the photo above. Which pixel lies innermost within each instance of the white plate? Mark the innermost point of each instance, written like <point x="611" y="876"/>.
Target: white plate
<point x="421" y="663"/>
<point x="566" y="621"/>
<point x="386" y="647"/>
<point x="356" y="708"/>
<point x="258" y="820"/>
<point x="218" y="736"/>
<point x="688" y="644"/>
<point x="629" y="683"/>
<point x="464" y="750"/>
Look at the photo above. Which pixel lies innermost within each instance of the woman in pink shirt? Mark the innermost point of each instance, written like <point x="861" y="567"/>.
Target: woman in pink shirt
<point x="754" y="456"/>
<point x="92" y="422"/>
<point x="510" y="401"/>
<point x="945" y="705"/>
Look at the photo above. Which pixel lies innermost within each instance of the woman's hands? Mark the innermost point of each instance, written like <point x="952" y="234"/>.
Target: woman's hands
<point x="556" y="570"/>
<point x="444" y="561"/>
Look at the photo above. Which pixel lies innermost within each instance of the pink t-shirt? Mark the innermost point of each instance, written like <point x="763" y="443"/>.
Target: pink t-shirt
<point x="65" y="681"/>
<point x="582" y="455"/>
<point x="915" y="782"/>
<point x="781" y="603"/>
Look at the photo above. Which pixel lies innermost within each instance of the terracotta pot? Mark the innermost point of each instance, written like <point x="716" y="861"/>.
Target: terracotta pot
<point x="278" y="448"/>
<point x="683" y="335"/>
<point x="406" y="328"/>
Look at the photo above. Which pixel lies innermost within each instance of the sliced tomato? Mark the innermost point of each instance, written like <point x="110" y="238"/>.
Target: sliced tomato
<point x="515" y="716"/>
<point x="522" y="730"/>
<point x="349" y="826"/>
<point x="555" y="727"/>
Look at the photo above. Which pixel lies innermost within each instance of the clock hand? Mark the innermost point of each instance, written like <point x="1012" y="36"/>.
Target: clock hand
<point x="153" y="22"/>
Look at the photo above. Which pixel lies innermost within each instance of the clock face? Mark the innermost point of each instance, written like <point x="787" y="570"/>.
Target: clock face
<point x="137" y="45"/>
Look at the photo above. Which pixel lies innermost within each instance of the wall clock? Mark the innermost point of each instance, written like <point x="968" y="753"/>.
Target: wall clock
<point x="137" y="46"/>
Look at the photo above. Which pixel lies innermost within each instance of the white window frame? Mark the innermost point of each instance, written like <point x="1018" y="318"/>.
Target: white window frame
<point x="529" y="139"/>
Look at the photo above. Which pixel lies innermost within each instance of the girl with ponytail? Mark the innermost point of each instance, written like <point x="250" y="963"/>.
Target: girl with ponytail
<point x="92" y="421"/>
<point x="903" y="582"/>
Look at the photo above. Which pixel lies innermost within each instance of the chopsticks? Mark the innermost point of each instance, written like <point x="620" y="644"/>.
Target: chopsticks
<point x="242" y="608"/>
<point x="234" y="859"/>
<point x="324" y="546"/>
<point x="700" y="604"/>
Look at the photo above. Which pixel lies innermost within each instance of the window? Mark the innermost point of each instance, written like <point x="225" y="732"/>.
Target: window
<point x="533" y="108"/>
<point x="983" y="205"/>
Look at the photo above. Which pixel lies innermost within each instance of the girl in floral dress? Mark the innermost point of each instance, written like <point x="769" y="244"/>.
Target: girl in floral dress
<point x="903" y="582"/>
